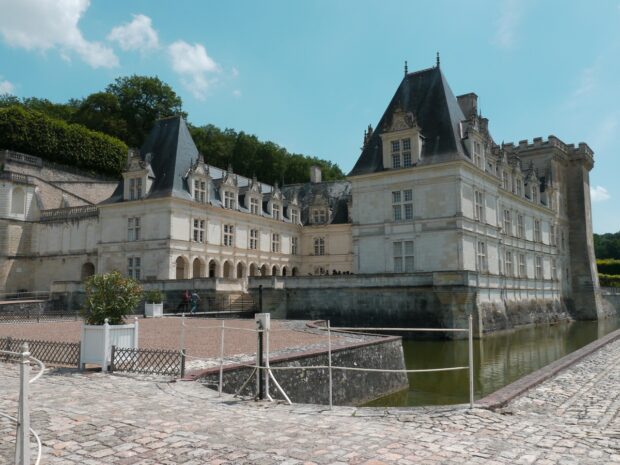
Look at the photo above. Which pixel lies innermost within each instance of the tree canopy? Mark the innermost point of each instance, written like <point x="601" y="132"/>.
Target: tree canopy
<point x="607" y="245"/>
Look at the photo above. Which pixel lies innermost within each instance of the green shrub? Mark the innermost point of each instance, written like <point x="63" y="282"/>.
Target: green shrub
<point x="153" y="296"/>
<point x="54" y="140"/>
<point x="609" y="266"/>
<point x="609" y="280"/>
<point x="112" y="296"/>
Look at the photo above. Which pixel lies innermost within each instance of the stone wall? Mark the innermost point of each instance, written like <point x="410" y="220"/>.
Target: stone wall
<point x="312" y="386"/>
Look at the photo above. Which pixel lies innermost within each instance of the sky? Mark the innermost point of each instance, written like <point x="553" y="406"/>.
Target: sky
<point x="311" y="75"/>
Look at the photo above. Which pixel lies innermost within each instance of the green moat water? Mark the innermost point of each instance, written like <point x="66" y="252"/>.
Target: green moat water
<point x="500" y="359"/>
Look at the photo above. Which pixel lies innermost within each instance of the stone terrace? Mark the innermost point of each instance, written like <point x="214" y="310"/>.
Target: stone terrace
<point x="95" y="419"/>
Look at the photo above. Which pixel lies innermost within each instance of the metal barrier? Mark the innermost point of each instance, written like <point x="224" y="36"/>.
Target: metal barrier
<point x="22" y="442"/>
<point x="50" y="352"/>
<point x="264" y="371"/>
<point x="148" y="361"/>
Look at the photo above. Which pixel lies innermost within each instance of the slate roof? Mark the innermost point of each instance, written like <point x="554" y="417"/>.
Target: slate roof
<point x="427" y="95"/>
<point x="335" y="193"/>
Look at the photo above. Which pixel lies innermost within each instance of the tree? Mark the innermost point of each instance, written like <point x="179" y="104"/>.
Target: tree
<point x="143" y="100"/>
<point x="101" y="111"/>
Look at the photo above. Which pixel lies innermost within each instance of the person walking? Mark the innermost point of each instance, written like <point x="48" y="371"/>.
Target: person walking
<point x="195" y="298"/>
<point x="184" y="304"/>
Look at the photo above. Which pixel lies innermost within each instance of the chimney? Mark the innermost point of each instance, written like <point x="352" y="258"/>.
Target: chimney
<point x="315" y="174"/>
<point x="468" y="104"/>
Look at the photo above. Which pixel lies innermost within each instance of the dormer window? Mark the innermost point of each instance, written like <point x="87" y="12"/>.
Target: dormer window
<point x="254" y="205"/>
<point x="294" y="216"/>
<point x="276" y="211"/>
<point x="229" y="200"/>
<point x="395" y="154"/>
<point x="135" y="188"/>
<point x="318" y="215"/>
<point x="401" y="153"/>
<point x="519" y="187"/>
<point x="478" y="155"/>
<point x="505" y="180"/>
<point x="535" y="193"/>
<point x="200" y="190"/>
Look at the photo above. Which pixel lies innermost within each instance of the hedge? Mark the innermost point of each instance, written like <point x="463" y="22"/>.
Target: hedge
<point x="36" y="134"/>
<point x="609" y="280"/>
<point x="608" y="266"/>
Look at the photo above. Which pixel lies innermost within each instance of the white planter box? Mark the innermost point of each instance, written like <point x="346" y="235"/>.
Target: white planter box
<point x="97" y="341"/>
<point x="153" y="310"/>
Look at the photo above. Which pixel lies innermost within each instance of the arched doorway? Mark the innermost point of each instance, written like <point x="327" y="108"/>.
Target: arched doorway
<point x="198" y="269"/>
<point x="240" y="270"/>
<point x="263" y="270"/>
<point x="213" y="269"/>
<point x="295" y="271"/>
<point x="88" y="269"/>
<point x="181" y="268"/>
<point x="274" y="271"/>
<point x="284" y="271"/>
<point x="228" y="270"/>
<point x="253" y="269"/>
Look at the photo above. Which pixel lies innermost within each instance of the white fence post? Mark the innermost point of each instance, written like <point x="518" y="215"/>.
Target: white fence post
<point x="182" y="338"/>
<point x="221" y="359"/>
<point x="22" y="444"/>
<point x="329" y="362"/>
<point x="135" y="333"/>
<point x="106" y="346"/>
<point x="471" y="362"/>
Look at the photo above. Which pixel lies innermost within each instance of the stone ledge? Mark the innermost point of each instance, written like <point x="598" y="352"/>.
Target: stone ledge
<point x="508" y="393"/>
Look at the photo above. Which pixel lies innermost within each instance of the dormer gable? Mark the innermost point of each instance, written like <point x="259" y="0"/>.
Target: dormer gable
<point x="138" y="177"/>
<point x="320" y="212"/>
<point x="199" y="181"/>
<point x="532" y="185"/>
<point x="402" y="141"/>
<point x="274" y="205"/>
<point x="293" y="209"/>
<point x="254" y="197"/>
<point x="229" y="190"/>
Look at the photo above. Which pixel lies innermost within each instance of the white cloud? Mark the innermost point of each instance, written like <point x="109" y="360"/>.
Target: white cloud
<point x="6" y="87"/>
<point x="508" y="23"/>
<point x="193" y="65"/>
<point x="235" y="72"/>
<point x="42" y="25"/>
<point x="237" y="93"/>
<point x="136" y="35"/>
<point x="599" y="194"/>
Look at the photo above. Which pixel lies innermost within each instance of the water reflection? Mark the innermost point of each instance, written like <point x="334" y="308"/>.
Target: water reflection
<point x="500" y="359"/>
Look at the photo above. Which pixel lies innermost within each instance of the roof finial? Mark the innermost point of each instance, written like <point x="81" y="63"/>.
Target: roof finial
<point x="406" y="69"/>
<point x="437" y="59"/>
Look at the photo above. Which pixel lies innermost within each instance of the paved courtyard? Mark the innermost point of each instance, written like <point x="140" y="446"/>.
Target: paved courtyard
<point x="94" y="418"/>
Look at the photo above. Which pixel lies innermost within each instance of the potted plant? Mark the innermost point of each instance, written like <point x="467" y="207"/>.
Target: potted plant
<point x="153" y="303"/>
<point x="110" y="297"/>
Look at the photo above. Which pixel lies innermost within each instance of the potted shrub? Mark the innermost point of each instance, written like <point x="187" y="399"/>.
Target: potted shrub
<point x="110" y="297"/>
<point x="153" y="303"/>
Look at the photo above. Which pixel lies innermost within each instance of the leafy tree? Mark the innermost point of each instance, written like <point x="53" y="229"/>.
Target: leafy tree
<point x="143" y="100"/>
<point x="101" y="111"/>
<point x="607" y="245"/>
<point x="112" y="296"/>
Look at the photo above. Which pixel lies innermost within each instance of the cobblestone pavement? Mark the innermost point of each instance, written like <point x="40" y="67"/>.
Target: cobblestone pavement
<point x="102" y="419"/>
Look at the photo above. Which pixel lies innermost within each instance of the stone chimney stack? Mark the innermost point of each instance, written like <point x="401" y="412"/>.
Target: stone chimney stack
<point x="315" y="174"/>
<point x="468" y="104"/>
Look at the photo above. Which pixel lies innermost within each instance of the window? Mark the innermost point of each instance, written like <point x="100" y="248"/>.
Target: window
<point x="519" y="187"/>
<point x="229" y="231"/>
<point x="537" y="232"/>
<point x="198" y="231"/>
<point x="481" y="257"/>
<point x="396" y="154"/>
<point x="522" y="266"/>
<point x="403" y="256"/>
<point x="275" y="211"/>
<point x="396" y="208"/>
<point x="294" y="216"/>
<point x="507" y="222"/>
<point x="508" y="264"/>
<point x="133" y="229"/>
<point x="552" y="235"/>
<point x="135" y="188"/>
<point x="535" y="193"/>
<point x="402" y="205"/>
<point x="554" y="269"/>
<point x="200" y="191"/>
<point x="18" y="201"/>
<point x="406" y="152"/>
<point x="294" y="245"/>
<point x="133" y="267"/>
<point x="478" y="159"/>
<point x="275" y="243"/>
<point x="520" y="226"/>
<point x="319" y="246"/>
<point x="539" y="267"/>
<point x="254" y="205"/>
<point x="253" y="239"/>
<point x="505" y="180"/>
<point x="479" y="206"/>
<point x="229" y="200"/>
<point x="318" y="215"/>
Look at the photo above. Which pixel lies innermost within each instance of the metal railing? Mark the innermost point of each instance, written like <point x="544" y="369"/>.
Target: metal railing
<point x="264" y="371"/>
<point x="147" y="361"/>
<point x="22" y="441"/>
<point x="50" y="352"/>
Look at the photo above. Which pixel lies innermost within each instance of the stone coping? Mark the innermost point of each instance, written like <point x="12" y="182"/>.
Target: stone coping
<point x="508" y="393"/>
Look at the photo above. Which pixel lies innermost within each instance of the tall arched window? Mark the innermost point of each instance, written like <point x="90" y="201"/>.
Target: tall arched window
<point x="18" y="202"/>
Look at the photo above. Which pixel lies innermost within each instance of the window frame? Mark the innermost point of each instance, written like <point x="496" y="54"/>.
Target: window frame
<point x="319" y="246"/>
<point x="134" y="226"/>
<point x="228" y="238"/>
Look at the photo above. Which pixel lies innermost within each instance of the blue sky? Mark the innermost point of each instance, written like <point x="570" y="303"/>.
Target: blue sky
<point x="312" y="75"/>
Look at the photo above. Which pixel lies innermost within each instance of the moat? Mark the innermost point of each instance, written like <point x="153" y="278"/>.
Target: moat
<point x="500" y="360"/>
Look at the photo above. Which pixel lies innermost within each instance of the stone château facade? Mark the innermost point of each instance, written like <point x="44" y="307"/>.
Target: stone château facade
<point x="432" y="196"/>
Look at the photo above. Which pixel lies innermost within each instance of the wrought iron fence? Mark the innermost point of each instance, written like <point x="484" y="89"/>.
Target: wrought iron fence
<point x="29" y="313"/>
<point x="50" y="352"/>
<point x="148" y="361"/>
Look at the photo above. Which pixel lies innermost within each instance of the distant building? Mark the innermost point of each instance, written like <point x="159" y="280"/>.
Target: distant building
<point x="430" y="193"/>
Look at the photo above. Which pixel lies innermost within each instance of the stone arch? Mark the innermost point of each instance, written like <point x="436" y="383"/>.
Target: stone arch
<point x="264" y="270"/>
<point x="295" y="271"/>
<point x="253" y="270"/>
<point x="241" y="270"/>
<point x="275" y="271"/>
<point x="213" y="269"/>
<point x="284" y="271"/>
<point x="182" y="267"/>
<point x="229" y="269"/>
<point x="88" y="269"/>
<point x="18" y="201"/>
<point x="198" y="268"/>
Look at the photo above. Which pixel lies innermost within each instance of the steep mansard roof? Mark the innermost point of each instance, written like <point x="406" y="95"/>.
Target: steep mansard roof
<point x="428" y="97"/>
